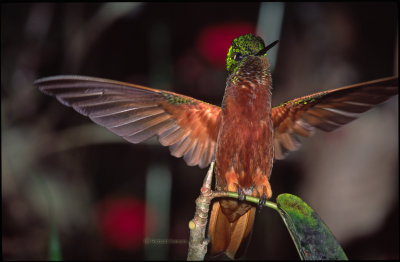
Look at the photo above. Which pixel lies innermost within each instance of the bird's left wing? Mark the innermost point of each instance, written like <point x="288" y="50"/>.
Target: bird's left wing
<point x="326" y="110"/>
<point x="188" y="126"/>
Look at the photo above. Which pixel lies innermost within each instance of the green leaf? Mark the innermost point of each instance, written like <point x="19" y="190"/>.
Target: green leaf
<point x="312" y="238"/>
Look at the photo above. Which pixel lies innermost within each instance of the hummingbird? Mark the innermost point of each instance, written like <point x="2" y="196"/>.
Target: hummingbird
<point x="244" y="135"/>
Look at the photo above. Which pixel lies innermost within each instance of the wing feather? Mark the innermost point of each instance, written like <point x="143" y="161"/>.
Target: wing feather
<point x="326" y="111"/>
<point x="136" y="113"/>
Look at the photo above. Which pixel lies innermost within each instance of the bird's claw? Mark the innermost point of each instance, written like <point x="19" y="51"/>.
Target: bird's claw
<point x="263" y="200"/>
<point x="241" y="194"/>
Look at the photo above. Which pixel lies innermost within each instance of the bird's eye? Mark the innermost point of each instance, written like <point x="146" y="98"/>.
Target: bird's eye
<point x="238" y="57"/>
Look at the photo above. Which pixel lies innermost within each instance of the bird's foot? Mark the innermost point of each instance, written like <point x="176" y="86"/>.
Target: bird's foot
<point x="241" y="194"/>
<point x="262" y="201"/>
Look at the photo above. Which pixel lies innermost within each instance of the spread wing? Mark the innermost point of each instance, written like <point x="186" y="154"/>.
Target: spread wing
<point x="326" y="110"/>
<point x="188" y="126"/>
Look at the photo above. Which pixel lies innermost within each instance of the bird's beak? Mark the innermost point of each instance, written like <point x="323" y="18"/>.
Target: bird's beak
<point x="268" y="47"/>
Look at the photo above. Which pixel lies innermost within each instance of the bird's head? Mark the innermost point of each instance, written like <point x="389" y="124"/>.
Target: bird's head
<point x="242" y="48"/>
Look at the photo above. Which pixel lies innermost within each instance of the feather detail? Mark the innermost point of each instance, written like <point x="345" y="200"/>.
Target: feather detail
<point x="326" y="110"/>
<point x="136" y="113"/>
<point x="228" y="236"/>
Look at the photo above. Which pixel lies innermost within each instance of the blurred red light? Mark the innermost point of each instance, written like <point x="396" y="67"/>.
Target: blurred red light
<point x="122" y="222"/>
<point x="213" y="42"/>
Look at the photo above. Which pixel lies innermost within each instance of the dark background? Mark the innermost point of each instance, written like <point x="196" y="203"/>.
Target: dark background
<point x="60" y="171"/>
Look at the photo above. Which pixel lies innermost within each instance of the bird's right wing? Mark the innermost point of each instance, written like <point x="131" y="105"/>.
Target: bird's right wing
<point x="326" y="110"/>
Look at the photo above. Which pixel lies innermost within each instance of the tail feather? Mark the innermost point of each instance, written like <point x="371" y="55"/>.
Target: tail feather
<point x="228" y="236"/>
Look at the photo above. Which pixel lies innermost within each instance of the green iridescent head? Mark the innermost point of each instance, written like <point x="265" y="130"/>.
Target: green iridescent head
<point x="244" y="46"/>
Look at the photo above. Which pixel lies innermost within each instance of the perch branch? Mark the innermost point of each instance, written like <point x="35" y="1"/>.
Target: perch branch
<point x="198" y="241"/>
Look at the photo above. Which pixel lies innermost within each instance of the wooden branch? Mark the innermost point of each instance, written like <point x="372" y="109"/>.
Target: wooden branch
<point x="198" y="242"/>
